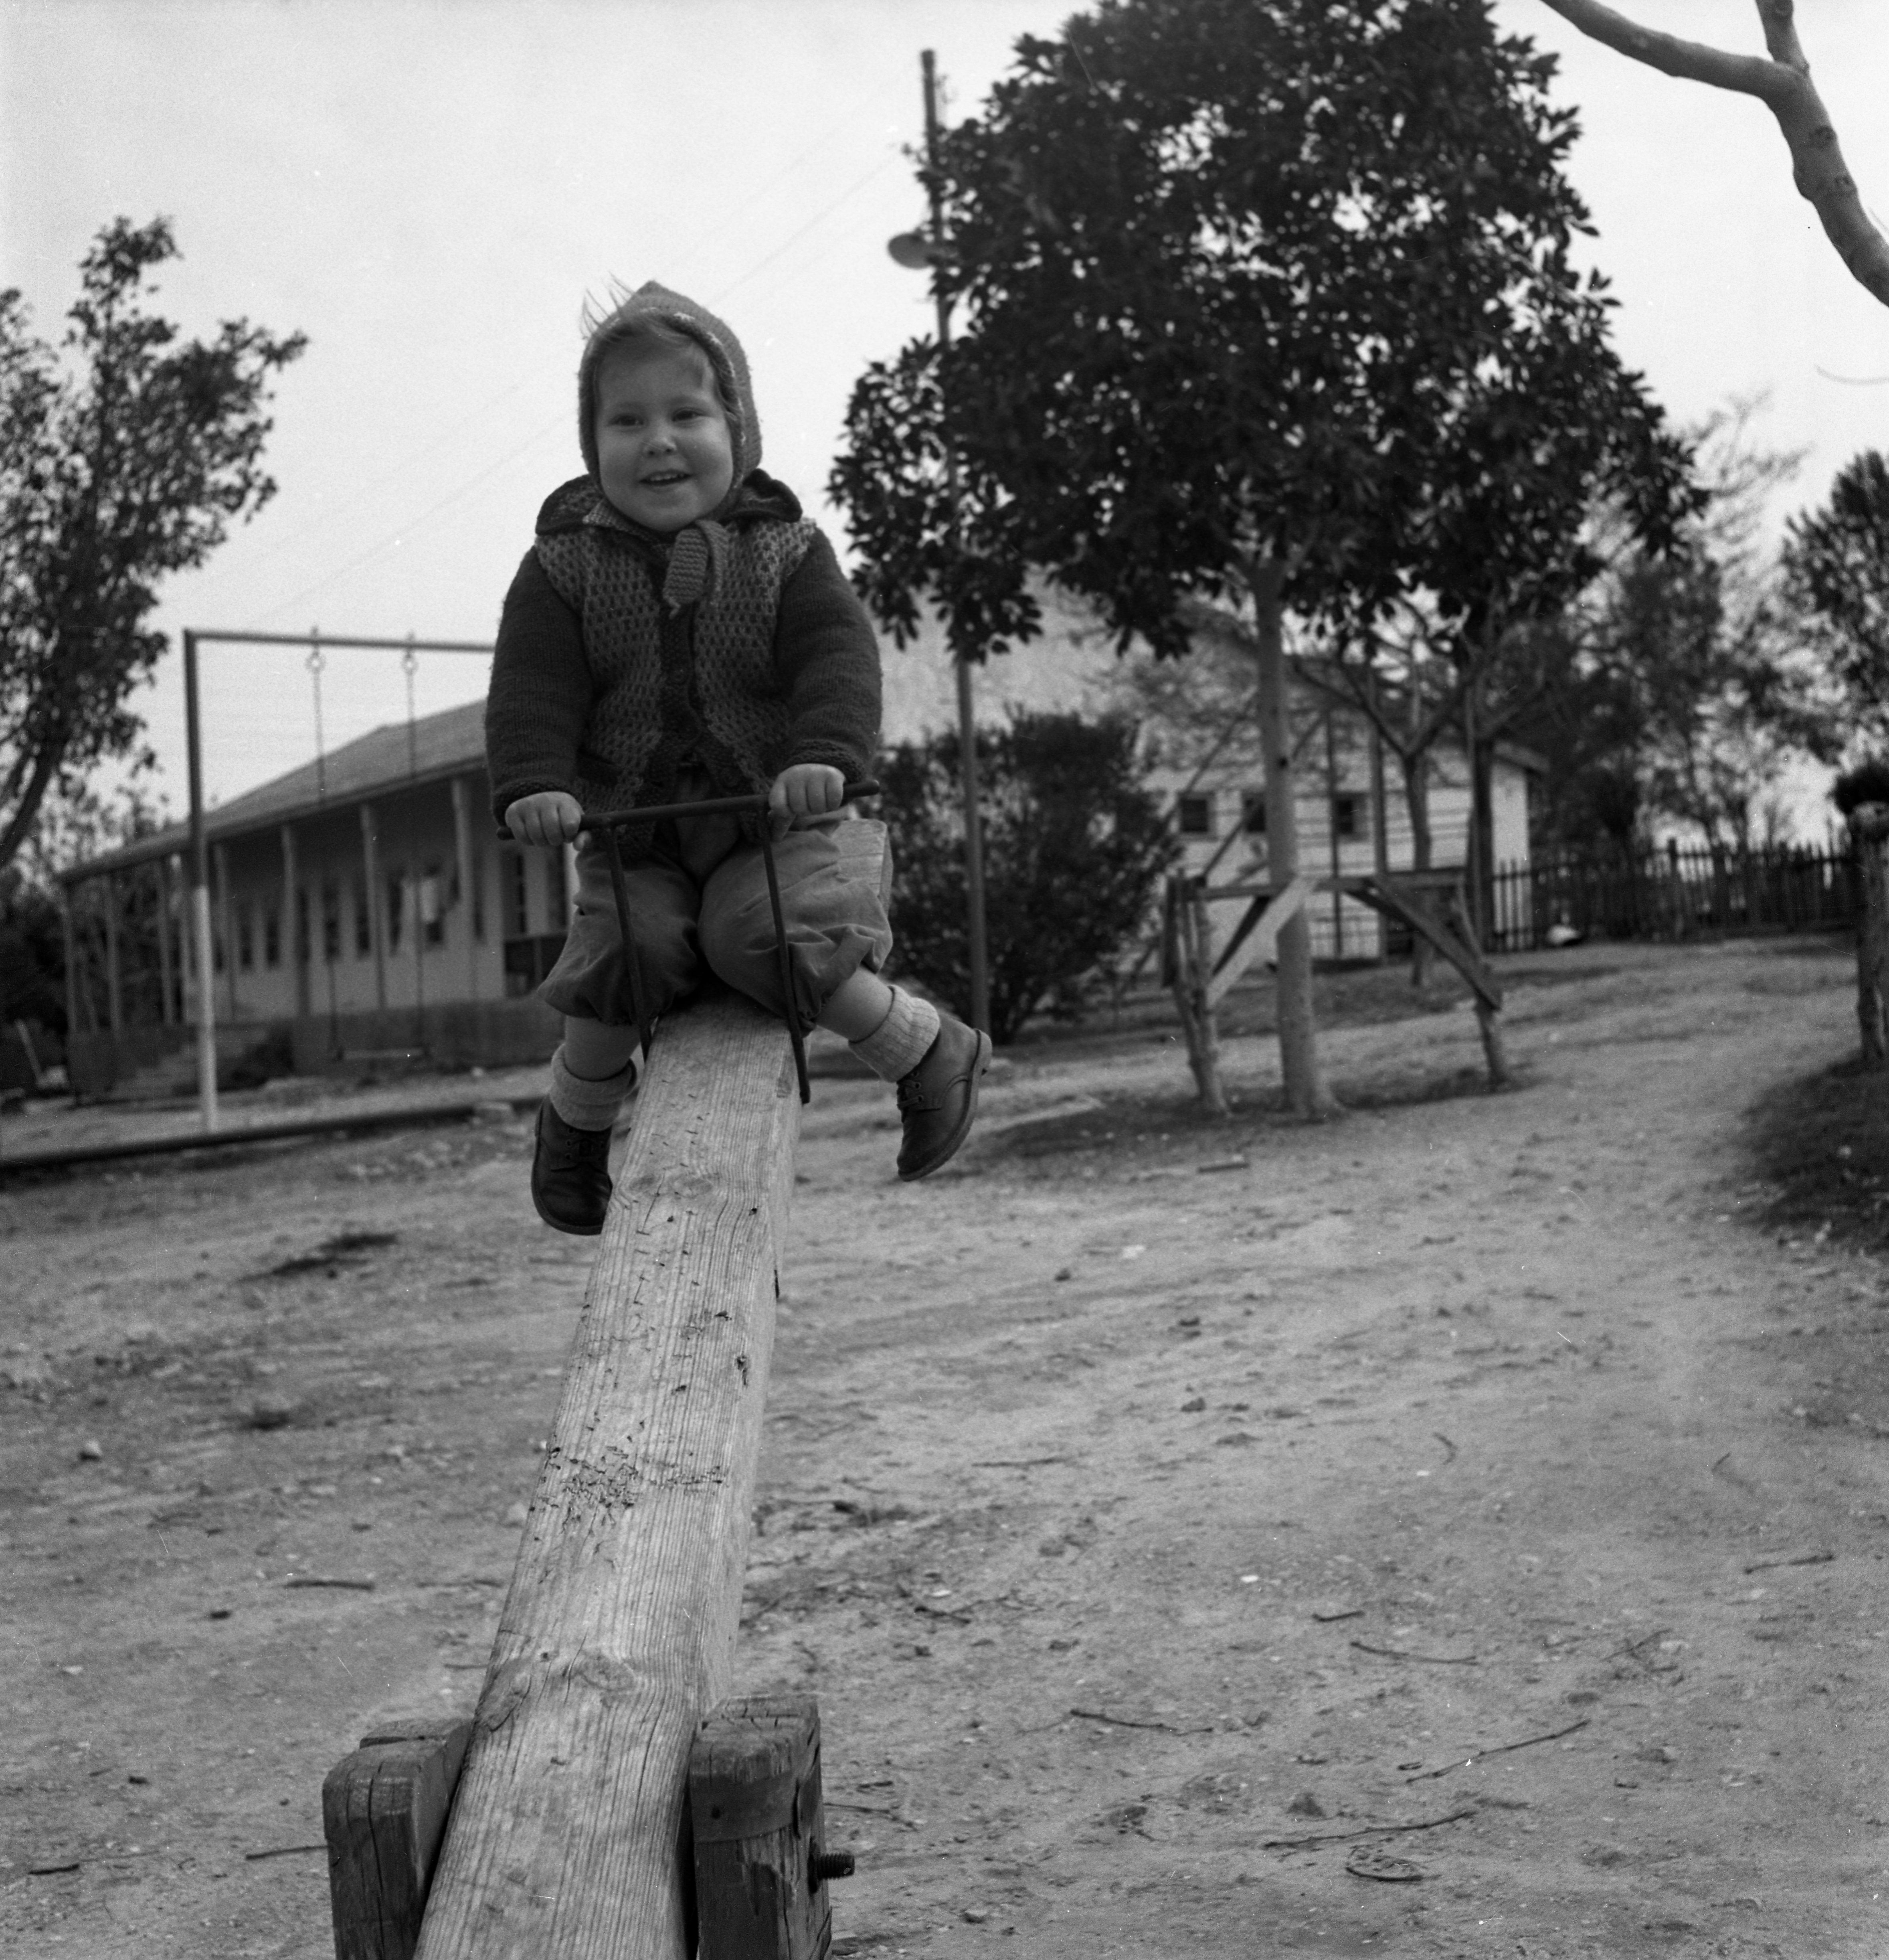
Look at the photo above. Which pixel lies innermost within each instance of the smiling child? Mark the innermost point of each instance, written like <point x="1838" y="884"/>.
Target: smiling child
<point x="679" y="631"/>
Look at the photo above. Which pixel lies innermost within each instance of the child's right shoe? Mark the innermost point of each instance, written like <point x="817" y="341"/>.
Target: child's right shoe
<point x="570" y="1175"/>
<point x="938" y="1100"/>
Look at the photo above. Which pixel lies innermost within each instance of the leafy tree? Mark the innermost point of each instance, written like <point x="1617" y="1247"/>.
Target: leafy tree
<point x="1835" y="583"/>
<point x="1268" y="303"/>
<point x="127" y="460"/>
<point x="79" y="824"/>
<point x="32" y="953"/>
<point x="1074" y="845"/>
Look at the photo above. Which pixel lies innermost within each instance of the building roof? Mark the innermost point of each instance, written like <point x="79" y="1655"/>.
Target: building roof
<point x="449" y="744"/>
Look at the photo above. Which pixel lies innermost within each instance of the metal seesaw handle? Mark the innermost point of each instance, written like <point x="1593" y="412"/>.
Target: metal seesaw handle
<point x="751" y="805"/>
<point x="610" y="820"/>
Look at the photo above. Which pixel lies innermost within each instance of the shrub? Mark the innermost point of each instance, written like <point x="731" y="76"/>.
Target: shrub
<point x="1869" y="782"/>
<point x="1073" y="845"/>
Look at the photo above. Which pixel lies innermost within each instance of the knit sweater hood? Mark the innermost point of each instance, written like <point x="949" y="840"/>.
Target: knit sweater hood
<point x="653" y="305"/>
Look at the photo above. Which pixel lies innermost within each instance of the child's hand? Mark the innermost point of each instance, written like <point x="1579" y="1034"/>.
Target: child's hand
<point x="549" y="817"/>
<point x="804" y="789"/>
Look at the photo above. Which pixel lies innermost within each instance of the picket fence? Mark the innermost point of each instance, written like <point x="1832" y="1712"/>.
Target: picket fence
<point x="1673" y="894"/>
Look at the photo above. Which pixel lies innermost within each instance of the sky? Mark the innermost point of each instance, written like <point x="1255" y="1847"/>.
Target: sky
<point x="430" y="189"/>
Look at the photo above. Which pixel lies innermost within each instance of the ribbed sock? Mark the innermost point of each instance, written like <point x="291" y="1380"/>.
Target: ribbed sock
<point x="586" y="1104"/>
<point x="898" y="1044"/>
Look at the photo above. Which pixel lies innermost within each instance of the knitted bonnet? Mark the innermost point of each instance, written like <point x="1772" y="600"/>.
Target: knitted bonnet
<point x="654" y="305"/>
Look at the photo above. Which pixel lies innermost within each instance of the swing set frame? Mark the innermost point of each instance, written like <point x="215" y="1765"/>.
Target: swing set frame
<point x="198" y="869"/>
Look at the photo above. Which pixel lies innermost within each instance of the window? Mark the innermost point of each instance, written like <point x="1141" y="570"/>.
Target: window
<point x="272" y="933"/>
<point x="1347" y="815"/>
<point x="245" y="936"/>
<point x="331" y="919"/>
<point x="397" y="884"/>
<point x="364" y="921"/>
<point x="1253" y="813"/>
<point x="1193" y="812"/>
<point x="432" y="903"/>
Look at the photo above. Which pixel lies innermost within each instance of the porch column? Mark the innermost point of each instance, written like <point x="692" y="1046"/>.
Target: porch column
<point x="186" y="940"/>
<point x="376" y="927"/>
<point x="165" y="1008"/>
<point x="114" y="982"/>
<point x="225" y="923"/>
<point x="466" y="865"/>
<point x="290" y="940"/>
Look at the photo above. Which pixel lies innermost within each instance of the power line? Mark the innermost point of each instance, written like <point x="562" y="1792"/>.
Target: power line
<point x="413" y="523"/>
<point x="396" y="536"/>
<point x="773" y="183"/>
<point x="793" y="238"/>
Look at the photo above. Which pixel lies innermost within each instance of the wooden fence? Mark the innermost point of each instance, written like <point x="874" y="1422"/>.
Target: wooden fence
<point x="1673" y="894"/>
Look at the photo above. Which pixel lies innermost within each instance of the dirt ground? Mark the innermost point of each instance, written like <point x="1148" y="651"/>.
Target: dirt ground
<point x="1165" y="1513"/>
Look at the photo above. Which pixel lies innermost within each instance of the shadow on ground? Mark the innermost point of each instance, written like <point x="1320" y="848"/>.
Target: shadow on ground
<point x="1821" y="1144"/>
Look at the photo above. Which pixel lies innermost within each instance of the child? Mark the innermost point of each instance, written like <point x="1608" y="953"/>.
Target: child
<point x="679" y="631"/>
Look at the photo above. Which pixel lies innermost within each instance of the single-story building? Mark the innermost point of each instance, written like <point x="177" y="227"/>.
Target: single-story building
<point x="1353" y="815"/>
<point x="361" y="906"/>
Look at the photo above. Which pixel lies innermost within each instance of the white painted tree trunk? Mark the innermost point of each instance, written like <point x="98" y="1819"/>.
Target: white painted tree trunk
<point x="1306" y="1094"/>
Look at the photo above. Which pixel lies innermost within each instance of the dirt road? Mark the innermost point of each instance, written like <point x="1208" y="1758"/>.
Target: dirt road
<point x="1163" y="1513"/>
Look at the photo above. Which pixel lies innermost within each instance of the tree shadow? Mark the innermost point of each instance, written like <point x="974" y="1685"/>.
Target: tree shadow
<point x="1821" y="1145"/>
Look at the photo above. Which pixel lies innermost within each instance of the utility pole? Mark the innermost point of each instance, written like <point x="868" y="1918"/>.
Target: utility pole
<point x="976" y="946"/>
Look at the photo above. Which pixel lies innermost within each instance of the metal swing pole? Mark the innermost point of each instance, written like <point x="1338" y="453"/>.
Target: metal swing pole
<point x="199" y="877"/>
<point x="199" y="871"/>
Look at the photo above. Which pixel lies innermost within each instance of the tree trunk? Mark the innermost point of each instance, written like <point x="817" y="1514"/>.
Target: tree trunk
<point x="1480" y="869"/>
<point x="1187" y="956"/>
<point x="1869" y="831"/>
<point x="1306" y="1094"/>
<point x="1416" y="768"/>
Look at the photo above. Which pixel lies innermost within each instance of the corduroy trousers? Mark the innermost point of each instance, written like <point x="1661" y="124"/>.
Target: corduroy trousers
<point x="698" y="904"/>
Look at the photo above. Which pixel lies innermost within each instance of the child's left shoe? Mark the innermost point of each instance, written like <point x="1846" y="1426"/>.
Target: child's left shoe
<point x="938" y="1100"/>
<point x="570" y="1175"/>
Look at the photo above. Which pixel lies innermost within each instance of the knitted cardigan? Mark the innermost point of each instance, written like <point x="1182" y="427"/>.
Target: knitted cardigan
<point x="601" y="689"/>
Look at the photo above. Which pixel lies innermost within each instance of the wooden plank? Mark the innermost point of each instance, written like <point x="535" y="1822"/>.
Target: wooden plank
<point x="759" y="1828"/>
<point x="1465" y="957"/>
<point x="618" y="1632"/>
<point x="1488" y="1011"/>
<point x="1261" y="941"/>
<point x="383" y="1811"/>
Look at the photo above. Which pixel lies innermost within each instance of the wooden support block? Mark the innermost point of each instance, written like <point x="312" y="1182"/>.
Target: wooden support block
<point x="762" y="1869"/>
<point x="383" y="1811"/>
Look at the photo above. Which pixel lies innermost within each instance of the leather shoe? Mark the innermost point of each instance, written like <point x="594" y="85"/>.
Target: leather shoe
<point x="938" y="1100"/>
<point x="570" y="1175"/>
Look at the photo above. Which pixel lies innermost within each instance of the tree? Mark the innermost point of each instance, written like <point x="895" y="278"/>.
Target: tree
<point x="1073" y="843"/>
<point x="128" y="460"/>
<point x="1836" y="582"/>
<point x="1666" y="689"/>
<point x="1264" y="300"/>
<point x="72" y="826"/>
<point x="1781" y="79"/>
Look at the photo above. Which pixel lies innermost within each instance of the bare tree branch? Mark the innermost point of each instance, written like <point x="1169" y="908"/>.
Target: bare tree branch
<point x="1780" y="79"/>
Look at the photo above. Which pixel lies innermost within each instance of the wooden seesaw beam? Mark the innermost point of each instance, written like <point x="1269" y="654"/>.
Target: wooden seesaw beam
<point x="569" y="1838"/>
